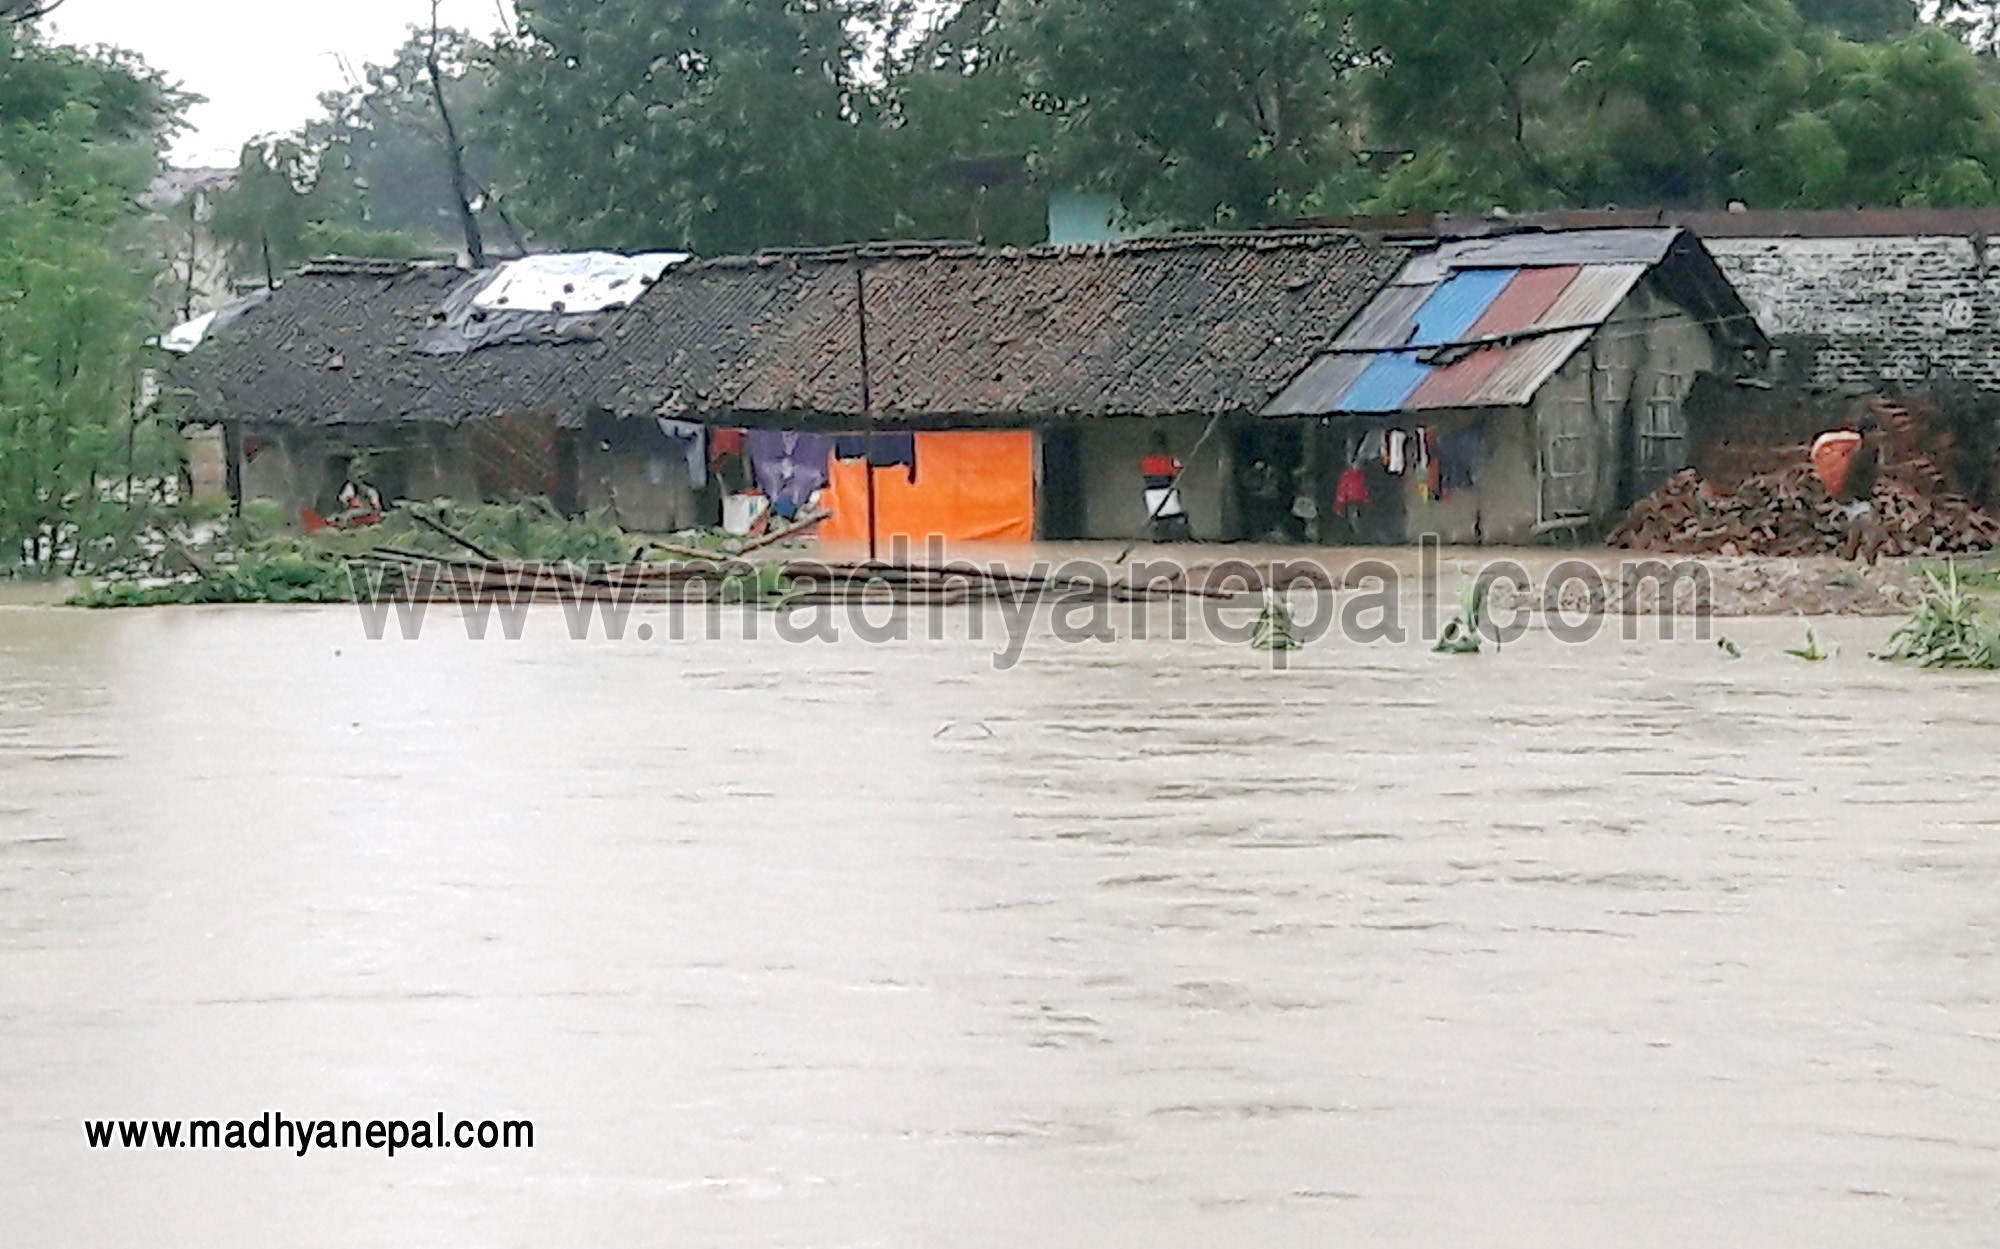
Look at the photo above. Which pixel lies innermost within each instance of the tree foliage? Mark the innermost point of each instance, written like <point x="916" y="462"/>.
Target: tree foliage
<point x="80" y="136"/>
<point x="710" y="124"/>
<point x="1195" y="112"/>
<point x="371" y="176"/>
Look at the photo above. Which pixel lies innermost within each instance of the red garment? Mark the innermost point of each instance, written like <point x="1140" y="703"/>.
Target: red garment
<point x="1159" y="466"/>
<point x="724" y="442"/>
<point x="1352" y="491"/>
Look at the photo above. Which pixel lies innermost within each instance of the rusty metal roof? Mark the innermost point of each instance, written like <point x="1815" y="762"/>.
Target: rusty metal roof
<point x="1487" y="322"/>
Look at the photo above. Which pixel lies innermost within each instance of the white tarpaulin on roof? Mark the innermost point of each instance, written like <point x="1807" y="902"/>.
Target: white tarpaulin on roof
<point x="573" y="282"/>
<point x="187" y="336"/>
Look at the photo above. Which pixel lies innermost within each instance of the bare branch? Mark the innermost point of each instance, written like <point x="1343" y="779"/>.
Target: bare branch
<point x="17" y="12"/>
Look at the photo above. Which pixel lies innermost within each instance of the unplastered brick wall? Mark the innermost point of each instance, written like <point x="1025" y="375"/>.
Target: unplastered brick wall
<point x="1856" y="313"/>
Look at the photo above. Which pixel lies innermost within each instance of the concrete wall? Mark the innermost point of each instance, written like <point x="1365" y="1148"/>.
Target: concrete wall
<point x="1114" y="501"/>
<point x="298" y="468"/>
<point x="1862" y="313"/>
<point x="641" y="492"/>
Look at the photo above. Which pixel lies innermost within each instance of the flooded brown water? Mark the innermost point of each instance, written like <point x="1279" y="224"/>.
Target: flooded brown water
<point x="1142" y="944"/>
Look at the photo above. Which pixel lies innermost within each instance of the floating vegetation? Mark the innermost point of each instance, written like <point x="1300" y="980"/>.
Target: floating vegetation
<point x="1951" y="627"/>
<point x="1277" y="628"/>
<point x="1461" y="632"/>
<point x="1729" y="648"/>
<point x="255" y="560"/>
<point x="1812" y="652"/>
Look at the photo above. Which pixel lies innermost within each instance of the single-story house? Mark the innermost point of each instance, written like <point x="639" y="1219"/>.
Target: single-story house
<point x="435" y="381"/>
<point x="1855" y="301"/>
<point x="1507" y="387"/>
<point x="1028" y="385"/>
<point x="1001" y="395"/>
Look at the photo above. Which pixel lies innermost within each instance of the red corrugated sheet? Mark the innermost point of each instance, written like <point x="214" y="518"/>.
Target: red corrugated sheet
<point x="1527" y="298"/>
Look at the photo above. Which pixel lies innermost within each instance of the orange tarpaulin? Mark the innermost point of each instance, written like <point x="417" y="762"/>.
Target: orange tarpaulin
<point x="971" y="487"/>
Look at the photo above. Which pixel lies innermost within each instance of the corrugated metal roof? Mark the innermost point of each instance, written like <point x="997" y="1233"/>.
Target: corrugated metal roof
<point x="1520" y="307"/>
<point x="1398" y="354"/>
<point x="1389" y="320"/>
<point x="1452" y="308"/>
<point x="1589" y="301"/>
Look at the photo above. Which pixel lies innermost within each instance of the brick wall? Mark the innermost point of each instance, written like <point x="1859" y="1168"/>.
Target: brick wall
<point x="1872" y="313"/>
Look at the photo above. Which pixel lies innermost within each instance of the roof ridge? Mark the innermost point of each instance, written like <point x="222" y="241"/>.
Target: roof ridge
<point x="951" y="249"/>
<point x="364" y="266"/>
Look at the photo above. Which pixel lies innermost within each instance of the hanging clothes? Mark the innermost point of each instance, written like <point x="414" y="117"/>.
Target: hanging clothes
<point x="790" y="467"/>
<point x="1351" y="492"/>
<point x="1459" y="453"/>
<point x="1395" y="451"/>
<point x="894" y="451"/>
<point x="692" y="440"/>
<point x="1423" y="462"/>
<point x="1374" y="446"/>
<point x="880" y="450"/>
<point x="724" y="442"/>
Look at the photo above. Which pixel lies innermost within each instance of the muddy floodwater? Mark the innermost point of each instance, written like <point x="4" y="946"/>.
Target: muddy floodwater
<point x="1142" y="944"/>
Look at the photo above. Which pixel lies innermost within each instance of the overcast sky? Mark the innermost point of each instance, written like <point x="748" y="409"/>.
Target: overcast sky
<point x="261" y="63"/>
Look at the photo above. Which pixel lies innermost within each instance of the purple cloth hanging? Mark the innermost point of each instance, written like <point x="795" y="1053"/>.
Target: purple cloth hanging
<point x="789" y="467"/>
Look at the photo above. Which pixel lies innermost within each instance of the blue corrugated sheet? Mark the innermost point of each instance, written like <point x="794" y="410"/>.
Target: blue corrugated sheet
<point x="1450" y="311"/>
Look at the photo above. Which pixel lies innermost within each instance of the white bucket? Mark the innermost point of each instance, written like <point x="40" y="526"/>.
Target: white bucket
<point x="740" y="513"/>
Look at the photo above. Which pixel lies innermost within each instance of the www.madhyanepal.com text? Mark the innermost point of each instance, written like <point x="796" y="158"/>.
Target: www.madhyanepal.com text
<point x="302" y="1136"/>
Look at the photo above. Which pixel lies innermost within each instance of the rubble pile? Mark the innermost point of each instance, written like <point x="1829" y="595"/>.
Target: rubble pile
<point x="1789" y="513"/>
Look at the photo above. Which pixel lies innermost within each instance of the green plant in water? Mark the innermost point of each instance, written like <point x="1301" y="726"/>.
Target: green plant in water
<point x="1951" y="627"/>
<point x="1277" y="628"/>
<point x="1812" y="652"/>
<point x="1461" y="632"/>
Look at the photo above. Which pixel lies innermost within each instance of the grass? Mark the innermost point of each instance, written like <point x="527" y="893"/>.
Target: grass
<point x="254" y="559"/>
<point x="1951" y="628"/>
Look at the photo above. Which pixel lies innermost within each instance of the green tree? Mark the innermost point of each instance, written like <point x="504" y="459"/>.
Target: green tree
<point x="1196" y="112"/>
<point x="713" y="125"/>
<point x="80" y="138"/>
<point x="372" y="176"/>
<point x="958" y="135"/>
<point x="1537" y="103"/>
<point x="1911" y="123"/>
<point x="1861" y="19"/>
<point x="384" y="138"/>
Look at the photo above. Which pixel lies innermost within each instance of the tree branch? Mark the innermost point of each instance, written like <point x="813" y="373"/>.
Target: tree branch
<point x="18" y="12"/>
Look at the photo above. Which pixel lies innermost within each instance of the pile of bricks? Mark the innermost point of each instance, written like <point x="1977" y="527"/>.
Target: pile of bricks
<point x="1789" y="513"/>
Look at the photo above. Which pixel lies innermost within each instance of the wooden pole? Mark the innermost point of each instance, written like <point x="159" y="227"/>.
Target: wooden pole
<point x="454" y="150"/>
<point x="867" y="404"/>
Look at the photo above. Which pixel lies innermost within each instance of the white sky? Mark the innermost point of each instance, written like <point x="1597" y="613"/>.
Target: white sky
<point x="261" y="63"/>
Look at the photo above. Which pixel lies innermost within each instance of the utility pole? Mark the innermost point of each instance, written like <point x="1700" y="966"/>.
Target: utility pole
<point x="867" y="400"/>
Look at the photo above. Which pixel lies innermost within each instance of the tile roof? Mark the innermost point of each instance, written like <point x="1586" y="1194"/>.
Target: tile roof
<point x="338" y="344"/>
<point x="1191" y="324"/>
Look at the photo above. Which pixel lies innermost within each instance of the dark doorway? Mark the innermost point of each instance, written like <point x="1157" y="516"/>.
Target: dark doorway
<point x="1061" y="501"/>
